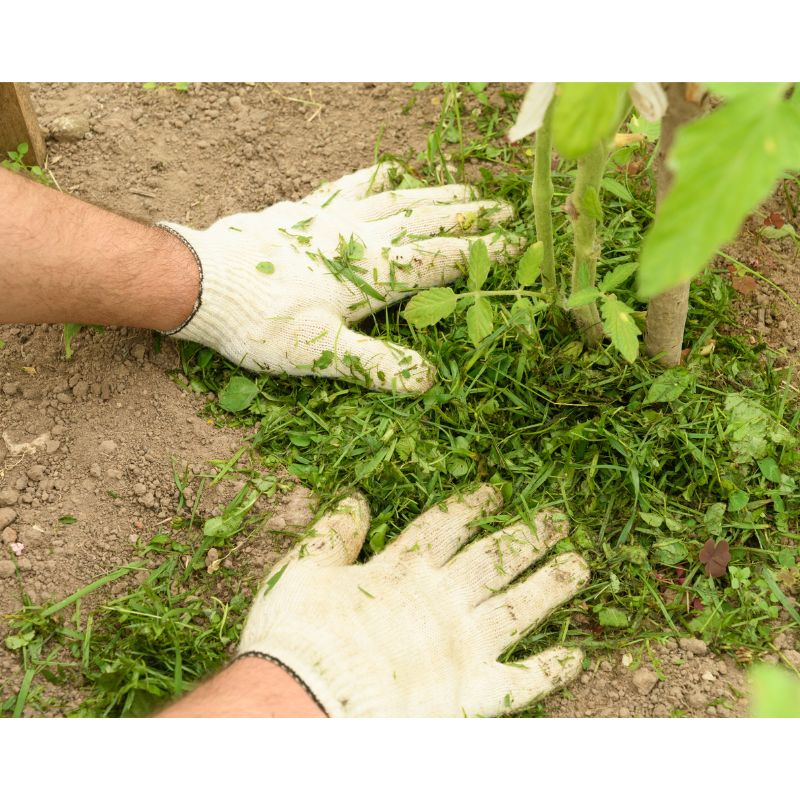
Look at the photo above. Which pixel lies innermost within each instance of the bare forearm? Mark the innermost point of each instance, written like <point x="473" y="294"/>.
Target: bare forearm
<point x="63" y="260"/>
<point x="250" y="687"/>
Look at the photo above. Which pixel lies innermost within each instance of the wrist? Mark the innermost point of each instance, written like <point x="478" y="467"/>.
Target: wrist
<point x="251" y="686"/>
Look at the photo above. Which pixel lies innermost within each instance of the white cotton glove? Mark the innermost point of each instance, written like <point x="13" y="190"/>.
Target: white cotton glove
<point x="280" y="286"/>
<point x="417" y="630"/>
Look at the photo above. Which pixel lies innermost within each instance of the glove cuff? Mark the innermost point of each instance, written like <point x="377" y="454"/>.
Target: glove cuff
<point x="286" y="668"/>
<point x="199" y="301"/>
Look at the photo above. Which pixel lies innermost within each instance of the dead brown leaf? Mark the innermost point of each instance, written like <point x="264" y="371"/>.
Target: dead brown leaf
<point x="716" y="557"/>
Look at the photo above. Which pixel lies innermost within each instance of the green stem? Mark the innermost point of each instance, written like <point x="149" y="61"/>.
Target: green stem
<point x="584" y="229"/>
<point x="543" y="200"/>
<point x="500" y="293"/>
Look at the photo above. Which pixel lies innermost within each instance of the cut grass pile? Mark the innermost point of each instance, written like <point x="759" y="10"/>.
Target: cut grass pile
<point x="648" y="464"/>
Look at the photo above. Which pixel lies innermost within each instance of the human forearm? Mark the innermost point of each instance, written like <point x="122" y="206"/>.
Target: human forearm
<point x="250" y="687"/>
<point x="63" y="260"/>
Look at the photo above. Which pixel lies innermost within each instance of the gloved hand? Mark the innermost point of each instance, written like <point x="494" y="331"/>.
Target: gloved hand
<point x="279" y="286"/>
<point x="417" y="630"/>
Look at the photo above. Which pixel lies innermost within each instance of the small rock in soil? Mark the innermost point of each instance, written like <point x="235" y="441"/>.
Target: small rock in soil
<point x="70" y="127"/>
<point x="695" y="646"/>
<point x="7" y="516"/>
<point x="8" y="536"/>
<point x="8" y="497"/>
<point x="108" y="447"/>
<point x="7" y="568"/>
<point x="645" y="680"/>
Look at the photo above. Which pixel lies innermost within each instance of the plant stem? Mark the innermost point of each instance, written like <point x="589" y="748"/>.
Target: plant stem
<point x="543" y="200"/>
<point x="584" y="229"/>
<point x="666" y="312"/>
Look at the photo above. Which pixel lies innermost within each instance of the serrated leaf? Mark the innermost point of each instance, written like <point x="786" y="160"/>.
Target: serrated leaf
<point x="617" y="189"/>
<point x="668" y="386"/>
<point x="530" y="265"/>
<point x="724" y="164"/>
<point x="583" y="298"/>
<point x="238" y="394"/>
<point x="618" y="323"/>
<point x="618" y="276"/>
<point x="430" y="306"/>
<point x="479" y="320"/>
<point x="585" y="114"/>
<point x="478" y="267"/>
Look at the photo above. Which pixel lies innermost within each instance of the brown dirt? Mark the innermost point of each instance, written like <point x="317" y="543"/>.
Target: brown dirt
<point x="192" y="157"/>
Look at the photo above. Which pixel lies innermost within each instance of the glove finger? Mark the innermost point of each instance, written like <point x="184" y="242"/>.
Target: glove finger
<point x="342" y="353"/>
<point x="441" y="259"/>
<point x="507" y="616"/>
<point x="512" y="687"/>
<point x="357" y="185"/>
<point x="489" y="564"/>
<point x="440" y="532"/>
<point x="335" y="539"/>
<point x="384" y="204"/>
<point x="457" y="218"/>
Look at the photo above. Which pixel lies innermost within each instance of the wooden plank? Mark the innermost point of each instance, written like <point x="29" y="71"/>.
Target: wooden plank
<point x="18" y="123"/>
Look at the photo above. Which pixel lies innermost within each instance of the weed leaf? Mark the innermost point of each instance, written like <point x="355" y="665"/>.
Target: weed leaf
<point x="478" y="265"/>
<point x="669" y="386"/>
<point x="238" y="394"/>
<point x="430" y="306"/>
<point x="619" y="325"/>
<point x="530" y="265"/>
<point x="715" y="557"/>
<point x="479" y="320"/>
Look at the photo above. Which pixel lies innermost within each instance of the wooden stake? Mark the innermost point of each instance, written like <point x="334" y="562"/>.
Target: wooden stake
<point x="18" y="123"/>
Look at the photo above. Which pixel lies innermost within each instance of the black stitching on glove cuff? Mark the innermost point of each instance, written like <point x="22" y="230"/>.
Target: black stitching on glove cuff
<point x="278" y="663"/>
<point x="199" y="301"/>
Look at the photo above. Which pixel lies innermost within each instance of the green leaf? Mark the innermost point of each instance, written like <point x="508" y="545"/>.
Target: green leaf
<point x="713" y="519"/>
<point x="583" y="297"/>
<point x="618" y="276"/>
<point x="67" y="520"/>
<point x="654" y="520"/>
<point x="750" y="429"/>
<point x="267" y="267"/>
<point x="478" y="265"/>
<point x="479" y="320"/>
<point x="620" y="326"/>
<point x="325" y="360"/>
<point x="523" y="312"/>
<point x="617" y="189"/>
<point x="590" y="204"/>
<point x="23" y="149"/>
<point x="530" y="265"/>
<point x="770" y="469"/>
<point x="585" y="114"/>
<point x="670" y="552"/>
<point x="430" y="306"/>
<point x="238" y="394"/>
<point x="789" y="605"/>
<point x="70" y="329"/>
<point x="738" y="500"/>
<point x="724" y="165"/>
<point x="668" y="386"/>
<point x="611" y="617"/>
